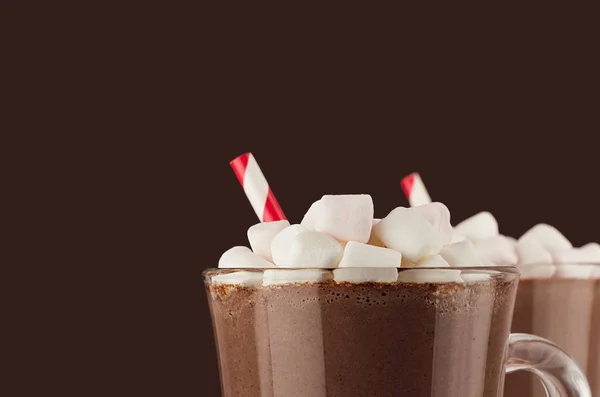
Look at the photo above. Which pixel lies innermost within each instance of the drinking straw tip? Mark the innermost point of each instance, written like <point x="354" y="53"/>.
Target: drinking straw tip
<point x="242" y="158"/>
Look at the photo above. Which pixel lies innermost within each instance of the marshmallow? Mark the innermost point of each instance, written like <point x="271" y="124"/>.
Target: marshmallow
<point x="408" y="232"/>
<point x="478" y="227"/>
<point x="432" y="261"/>
<point x="406" y="263"/>
<point x="498" y="250"/>
<point x="530" y="250"/>
<point x="596" y="272"/>
<point x="248" y="279"/>
<point x="374" y="240"/>
<point x="261" y="235"/>
<point x="537" y="271"/>
<point x="289" y="276"/>
<point x="456" y="237"/>
<point x="420" y="274"/>
<point x="240" y="257"/>
<point x="460" y="254"/>
<point x="297" y="247"/>
<point x="472" y="276"/>
<point x="574" y="271"/>
<point x="549" y="237"/>
<point x="439" y="216"/>
<point x="310" y="218"/>
<point x="577" y="255"/>
<point x="345" y="217"/>
<point x="282" y="240"/>
<point x="363" y="255"/>
<point x="365" y="275"/>
<point x="591" y="247"/>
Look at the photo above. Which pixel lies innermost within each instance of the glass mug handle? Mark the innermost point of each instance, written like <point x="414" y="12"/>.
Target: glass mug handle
<point x="557" y="371"/>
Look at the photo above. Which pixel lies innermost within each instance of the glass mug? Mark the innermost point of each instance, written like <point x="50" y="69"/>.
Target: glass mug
<point x="560" y="303"/>
<point x="439" y="332"/>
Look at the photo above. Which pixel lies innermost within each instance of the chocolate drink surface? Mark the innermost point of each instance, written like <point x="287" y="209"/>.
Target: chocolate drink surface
<point x="565" y="311"/>
<point x="364" y="339"/>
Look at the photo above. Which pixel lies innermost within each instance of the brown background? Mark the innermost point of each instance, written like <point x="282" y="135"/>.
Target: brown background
<point x="125" y="119"/>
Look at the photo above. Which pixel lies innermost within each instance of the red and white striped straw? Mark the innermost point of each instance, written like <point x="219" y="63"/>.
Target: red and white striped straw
<point x="414" y="189"/>
<point x="257" y="188"/>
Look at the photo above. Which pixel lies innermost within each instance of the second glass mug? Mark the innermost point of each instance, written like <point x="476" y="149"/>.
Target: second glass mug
<point x="326" y="338"/>
<point x="559" y="302"/>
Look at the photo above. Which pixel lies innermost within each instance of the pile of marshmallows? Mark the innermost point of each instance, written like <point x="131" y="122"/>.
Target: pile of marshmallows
<point x="339" y="232"/>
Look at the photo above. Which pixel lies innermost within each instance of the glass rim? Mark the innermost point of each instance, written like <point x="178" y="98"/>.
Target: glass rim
<point x="561" y="264"/>
<point x="481" y="269"/>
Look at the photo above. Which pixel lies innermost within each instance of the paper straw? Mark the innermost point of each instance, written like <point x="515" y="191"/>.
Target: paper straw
<point x="414" y="189"/>
<point x="257" y="188"/>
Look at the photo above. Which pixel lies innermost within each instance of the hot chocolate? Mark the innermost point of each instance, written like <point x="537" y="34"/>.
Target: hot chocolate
<point x="366" y="339"/>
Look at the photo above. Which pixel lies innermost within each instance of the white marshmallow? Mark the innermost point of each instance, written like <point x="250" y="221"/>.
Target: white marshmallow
<point x="283" y="240"/>
<point x="365" y="275"/>
<point x="595" y="247"/>
<point x="498" y="250"/>
<point x="289" y="276"/>
<point x="460" y="254"/>
<point x="347" y="217"/>
<point x="301" y="248"/>
<point x="432" y="261"/>
<point x="596" y="272"/>
<point x="577" y="255"/>
<point x="456" y="237"/>
<point x="424" y="275"/>
<point x="310" y="218"/>
<point x="406" y="263"/>
<point x="374" y="240"/>
<point x="408" y="232"/>
<point x="239" y="278"/>
<point x="530" y="250"/>
<point x="549" y="237"/>
<point x="574" y="271"/>
<point x="439" y="216"/>
<point x="261" y="235"/>
<point x="430" y="276"/>
<point x="363" y="255"/>
<point x="537" y="271"/>
<point x="472" y="276"/>
<point x="478" y="227"/>
<point x="241" y="257"/>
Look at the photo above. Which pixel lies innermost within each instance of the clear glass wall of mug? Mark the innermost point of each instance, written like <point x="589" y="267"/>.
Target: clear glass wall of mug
<point x="354" y="332"/>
